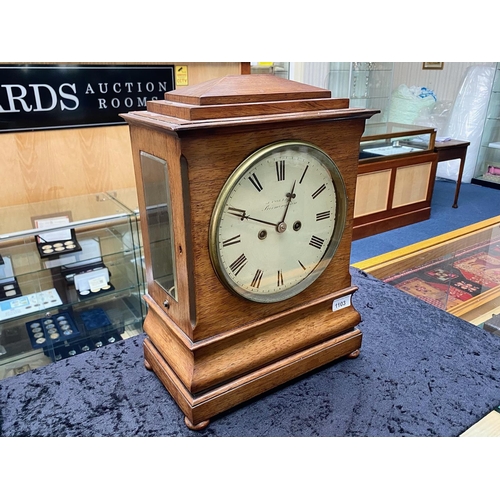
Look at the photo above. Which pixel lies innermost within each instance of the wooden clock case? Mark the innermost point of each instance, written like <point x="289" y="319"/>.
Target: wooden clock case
<point x="211" y="349"/>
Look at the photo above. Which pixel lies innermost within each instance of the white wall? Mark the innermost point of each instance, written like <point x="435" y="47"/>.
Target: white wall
<point x="445" y="82"/>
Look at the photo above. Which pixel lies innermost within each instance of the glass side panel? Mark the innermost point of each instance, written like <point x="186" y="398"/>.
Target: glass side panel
<point x="388" y="139"/>
<point x="159" y="221"/>
<point x="391" y="129"/>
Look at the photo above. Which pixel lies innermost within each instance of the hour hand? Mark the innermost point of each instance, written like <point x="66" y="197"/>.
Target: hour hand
<point x="290" y="196"/>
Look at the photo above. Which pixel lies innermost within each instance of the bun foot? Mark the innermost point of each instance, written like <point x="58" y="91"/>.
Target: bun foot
<point x="147" y="365"/>
<point x="354" y="354"/>
<point x="197" y="427"/>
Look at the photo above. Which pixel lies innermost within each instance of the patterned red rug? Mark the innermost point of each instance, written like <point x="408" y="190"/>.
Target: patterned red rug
<point x="449" y="281"/>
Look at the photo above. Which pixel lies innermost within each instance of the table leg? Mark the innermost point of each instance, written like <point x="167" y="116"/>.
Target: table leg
<point x="459" y="180"/>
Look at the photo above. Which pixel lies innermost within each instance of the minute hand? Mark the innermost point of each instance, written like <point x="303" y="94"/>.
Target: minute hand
<point x="242" y="214"/>
<point x="261" y="221"/>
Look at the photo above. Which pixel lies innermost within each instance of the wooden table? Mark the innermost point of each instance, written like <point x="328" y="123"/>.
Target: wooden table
<point x="453" y="150"/>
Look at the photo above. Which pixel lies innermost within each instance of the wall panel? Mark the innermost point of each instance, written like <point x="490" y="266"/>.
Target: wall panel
<point x="52" y="164"/>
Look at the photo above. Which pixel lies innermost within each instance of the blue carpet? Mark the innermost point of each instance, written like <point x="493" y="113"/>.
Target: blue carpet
<point x="476" y="203"/>
<point x="421" y="372"/>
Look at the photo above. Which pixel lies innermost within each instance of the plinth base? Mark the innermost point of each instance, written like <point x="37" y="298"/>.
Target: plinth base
<point x="199" y="408"/>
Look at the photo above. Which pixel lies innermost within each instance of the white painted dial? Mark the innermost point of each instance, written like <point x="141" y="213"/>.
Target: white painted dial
<point x="277" y="221"/>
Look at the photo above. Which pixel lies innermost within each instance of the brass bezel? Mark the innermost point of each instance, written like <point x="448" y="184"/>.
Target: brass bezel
<point x="234" y="178"/>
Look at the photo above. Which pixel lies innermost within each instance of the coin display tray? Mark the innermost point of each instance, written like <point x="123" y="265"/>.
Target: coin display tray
<point x="69" y="272"/>
<point x="10" y="290"/>
<point x="94" y="319"/>
<point x="52" y="330"/>
<point x="26" y="304"/>
<point x="92" y="283"/>
<point x="86" y="294"/>
<point x="68" y="350"/>
<point x="48" y="249"/>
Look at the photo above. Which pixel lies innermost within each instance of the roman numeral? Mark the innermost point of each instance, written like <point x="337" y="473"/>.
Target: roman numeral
<point x="319" y="191"/>
<point x="280" y="278"/>
<point x="238" y="264"/>
<point x="316" y="242"/>
<point x="256" y="184"/>
<point x="231" y="241"/>
<point x="303" y="174"/>
<point x="322" y="215"/>
<point x="236" y="211"/>
<point x="256" y="279"/>
<point x="302" y="265"/>
<point x="280" y="170"/>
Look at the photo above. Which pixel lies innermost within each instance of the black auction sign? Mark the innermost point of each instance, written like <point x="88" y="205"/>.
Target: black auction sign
<point x="58" y="96"/>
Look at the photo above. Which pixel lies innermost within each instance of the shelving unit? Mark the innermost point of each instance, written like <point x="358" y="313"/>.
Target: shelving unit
<point x="366" y="84"/>
<point x="487" y="171"/>
<point x="68" y="303"/>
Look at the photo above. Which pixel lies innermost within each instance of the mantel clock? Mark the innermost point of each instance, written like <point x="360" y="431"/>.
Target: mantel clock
<point x="246" y="191"/>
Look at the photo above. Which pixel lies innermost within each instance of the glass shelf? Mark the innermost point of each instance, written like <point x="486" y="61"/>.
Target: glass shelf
<point x="366" y="84"/>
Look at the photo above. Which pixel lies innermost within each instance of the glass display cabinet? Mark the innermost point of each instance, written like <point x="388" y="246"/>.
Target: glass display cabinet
<point x="396" y="174"/>
<point x="367" y="84"/>
<point x="70" y="279"/>
<point x="457" y="272"/>
<point x="487" y="171"/>
<point x="395" y="139"/>
<point x="127" y="198"/>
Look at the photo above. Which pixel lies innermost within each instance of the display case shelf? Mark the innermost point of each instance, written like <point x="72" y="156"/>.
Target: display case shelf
<point x="89" y="297"/>
<point x="487" y="172"/>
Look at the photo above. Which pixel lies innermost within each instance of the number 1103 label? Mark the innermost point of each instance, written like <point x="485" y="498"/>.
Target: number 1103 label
<point x="341" y="303"/>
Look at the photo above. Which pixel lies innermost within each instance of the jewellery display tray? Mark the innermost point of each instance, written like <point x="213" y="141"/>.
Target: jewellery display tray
<point x="56" y="334"/>
<point x="10" y="290"/>
<point x="72" y="272"/>
<point x="52" y="249"/>
<point x="49" y="331"/>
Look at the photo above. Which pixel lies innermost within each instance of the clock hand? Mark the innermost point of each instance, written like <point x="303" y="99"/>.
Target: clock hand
<point x="242" y="214"/>
<point x="262" y="221"/>
<point x="289" y="196"/>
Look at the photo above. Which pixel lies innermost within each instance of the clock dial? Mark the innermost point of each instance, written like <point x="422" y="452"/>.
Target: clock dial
<point x="277" y="221"/>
